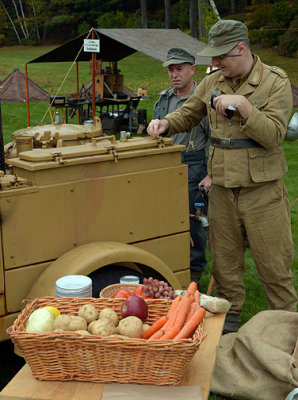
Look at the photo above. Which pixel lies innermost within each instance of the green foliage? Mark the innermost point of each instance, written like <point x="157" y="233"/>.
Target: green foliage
<point x="2" y="39"/>
<point x="120" y="19"/>
<point x="180" y="14"/>
<point x="83" y="27"/>
<point x="288" y="43"/>
<point x="267" y="23"/>
<point x="279" y="20"/>
<point x="209" y="17"/>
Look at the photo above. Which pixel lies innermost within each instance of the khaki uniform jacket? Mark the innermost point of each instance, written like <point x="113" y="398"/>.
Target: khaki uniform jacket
<point x="269" y="91"/>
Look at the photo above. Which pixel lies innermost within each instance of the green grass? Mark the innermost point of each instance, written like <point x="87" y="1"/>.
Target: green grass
<point x="141" y="71"/>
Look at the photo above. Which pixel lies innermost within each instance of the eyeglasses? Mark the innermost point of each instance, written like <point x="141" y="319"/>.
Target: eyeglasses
<point x="229" y="55"/>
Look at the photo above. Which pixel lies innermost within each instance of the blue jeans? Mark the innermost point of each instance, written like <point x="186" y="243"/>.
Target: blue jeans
<point x="197" y="170"/>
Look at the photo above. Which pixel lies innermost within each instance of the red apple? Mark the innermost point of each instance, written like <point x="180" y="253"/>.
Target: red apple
<point x="135" y="306"/>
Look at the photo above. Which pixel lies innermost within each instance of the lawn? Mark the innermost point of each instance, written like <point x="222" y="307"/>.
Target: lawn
<point x="141" y="71"/>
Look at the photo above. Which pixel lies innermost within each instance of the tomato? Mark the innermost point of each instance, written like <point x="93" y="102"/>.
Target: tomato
<point x="122" y="294"/>
<point x="138" y="290"/>
<point x="142" y="296"/>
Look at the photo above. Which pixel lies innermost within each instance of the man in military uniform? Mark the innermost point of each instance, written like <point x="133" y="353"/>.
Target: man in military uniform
<point x="248" y="113"/>
<point x="181" y="68"/>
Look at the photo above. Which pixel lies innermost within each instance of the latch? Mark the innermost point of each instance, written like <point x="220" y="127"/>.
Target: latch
<point x="160" y="142"/>
<point x="112" y="150"/>
<point x="58" y="157"/>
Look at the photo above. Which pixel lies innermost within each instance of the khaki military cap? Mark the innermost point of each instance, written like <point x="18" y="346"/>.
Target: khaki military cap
<point x="223" y="37"/>
<point x="178" y="56"/>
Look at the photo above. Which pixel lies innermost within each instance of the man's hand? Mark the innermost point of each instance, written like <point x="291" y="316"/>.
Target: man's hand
<point x="222" y="102"/>
<point x="206" y="182"/>
<point x="157" y="127"/>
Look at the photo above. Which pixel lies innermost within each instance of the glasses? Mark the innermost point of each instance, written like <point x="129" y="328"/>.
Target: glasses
<point x="229" y="55"/>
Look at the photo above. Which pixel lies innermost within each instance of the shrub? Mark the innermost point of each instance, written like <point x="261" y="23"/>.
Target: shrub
<point x="279" y="19"/>
<point x="288" y="43"/>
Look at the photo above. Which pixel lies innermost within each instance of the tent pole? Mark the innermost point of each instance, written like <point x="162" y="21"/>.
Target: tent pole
<point x="2" y="156"/>
<point x="77" y="77"/>
<point x="27" y="95"/>
<point x="93" y="79"/>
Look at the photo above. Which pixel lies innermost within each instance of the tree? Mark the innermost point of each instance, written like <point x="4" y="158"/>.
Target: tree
<point x="193" y="18"/>
<point x="144" y="14"/>
<point x="168" y="16"/>
<point x="201" y="12"/>
<point x="11" y="21"/>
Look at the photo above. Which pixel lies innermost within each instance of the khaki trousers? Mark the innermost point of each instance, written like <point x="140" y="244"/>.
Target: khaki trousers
<point x="260" y="213"/>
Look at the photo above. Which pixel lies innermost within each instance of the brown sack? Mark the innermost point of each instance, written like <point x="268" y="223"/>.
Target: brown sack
<point x="257" y="362"/>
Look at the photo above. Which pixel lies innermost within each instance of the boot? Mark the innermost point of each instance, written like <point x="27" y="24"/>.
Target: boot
<point x="231" y="324"/>
<point x="195" y="277"/>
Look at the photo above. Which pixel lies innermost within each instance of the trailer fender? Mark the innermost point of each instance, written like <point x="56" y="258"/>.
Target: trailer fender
<point x="92" y="256"/>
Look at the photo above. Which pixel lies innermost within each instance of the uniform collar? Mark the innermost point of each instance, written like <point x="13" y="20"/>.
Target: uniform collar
<point x="254" y="77"/>
<point x="173" y="92"/>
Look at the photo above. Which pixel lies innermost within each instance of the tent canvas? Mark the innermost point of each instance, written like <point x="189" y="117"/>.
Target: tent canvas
<point x="116" y="44"/>
<point x="13" y="89"/>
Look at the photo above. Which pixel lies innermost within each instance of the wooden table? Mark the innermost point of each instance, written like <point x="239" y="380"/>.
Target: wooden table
<point x="199" y="372"/>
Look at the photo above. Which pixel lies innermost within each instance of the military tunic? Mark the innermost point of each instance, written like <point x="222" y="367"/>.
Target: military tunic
<point x="247" y="197"/>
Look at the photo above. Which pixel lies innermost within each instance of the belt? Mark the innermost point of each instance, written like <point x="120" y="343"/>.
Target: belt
<point x="193" y="155"/>
<point x="229" y="143"/>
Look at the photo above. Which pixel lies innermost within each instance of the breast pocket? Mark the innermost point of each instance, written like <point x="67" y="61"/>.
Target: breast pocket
<point x="266" y="165"/>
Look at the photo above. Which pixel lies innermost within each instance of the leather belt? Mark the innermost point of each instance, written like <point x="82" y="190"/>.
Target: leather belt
<point x="229" y="143"/>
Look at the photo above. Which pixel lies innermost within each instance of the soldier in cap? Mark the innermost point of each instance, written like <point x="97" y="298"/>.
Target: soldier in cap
<point x="181" y="68"/>
<point x="248" y="104"/>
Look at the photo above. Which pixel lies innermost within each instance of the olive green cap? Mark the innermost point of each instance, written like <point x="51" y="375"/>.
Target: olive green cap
<point x="223" y="37"/>
<point x="178" y="56"/>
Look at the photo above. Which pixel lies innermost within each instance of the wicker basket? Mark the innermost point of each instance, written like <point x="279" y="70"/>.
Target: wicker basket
<point x="110" y="290"/>
<point x="66" y="356"/>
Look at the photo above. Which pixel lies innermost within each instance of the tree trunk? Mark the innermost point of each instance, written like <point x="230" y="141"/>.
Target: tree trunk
<point x="24" y="19"/>
<point x="36" y="23"/>
<point x="168" y="14"/>
<point x="18" y="17"/>
<point x="233" y="6"/>
<point x="11" y="21"/>
<point x="144" y="14"/>
<point x="201" y="11"/>
<point x="193" y="19"/>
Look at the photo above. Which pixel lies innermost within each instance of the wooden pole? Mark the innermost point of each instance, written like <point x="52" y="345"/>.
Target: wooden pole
<point x="211" y="286"/>
<point x="27" y="95"/>
<point x="93" y="79"/>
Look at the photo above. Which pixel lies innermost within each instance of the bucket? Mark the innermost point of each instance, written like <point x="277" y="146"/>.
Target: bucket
<point x="74" y="286"/>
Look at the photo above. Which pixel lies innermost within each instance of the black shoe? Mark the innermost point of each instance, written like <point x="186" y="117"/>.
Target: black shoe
<point x="231" y="324"/>
<point x="195" y="276"/>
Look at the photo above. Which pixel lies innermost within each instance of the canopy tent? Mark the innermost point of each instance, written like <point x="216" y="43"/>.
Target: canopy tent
<point x="13" y="89"/>
<point x="116" y="44"/>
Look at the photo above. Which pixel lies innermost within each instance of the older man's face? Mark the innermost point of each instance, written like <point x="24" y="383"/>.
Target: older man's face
<point x="181" y="75"/>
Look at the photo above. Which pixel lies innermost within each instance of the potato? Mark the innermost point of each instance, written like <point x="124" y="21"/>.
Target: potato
<point x="70" y="323"/>
<point x="131" y="327"/>
<point x="102" y="327"/>
<point x="119" y="336"/>
<point x="81" y="332"/>
<point x="145" y="327"/>
<point x="89" y="312"/>
<point x="110" y="314"/>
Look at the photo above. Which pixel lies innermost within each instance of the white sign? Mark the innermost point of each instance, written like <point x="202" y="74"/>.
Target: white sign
<point x="91" y="45"/>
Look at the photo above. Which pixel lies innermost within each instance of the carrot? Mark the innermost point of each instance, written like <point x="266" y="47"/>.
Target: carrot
<point x="192" y="298"/>
<point x="192" y="287"/>
<point x="172" y="313"/>
<point x="155" y="327"/>
<point x="182" y="311"/>
<point x="174" y="305"/>
<point x="157" y="335"/>
<point x="191" y="325"/>
<point x="171" y="333"/>
<point x="193" y="308"/>
<point x="197" y="297"/>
